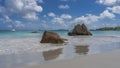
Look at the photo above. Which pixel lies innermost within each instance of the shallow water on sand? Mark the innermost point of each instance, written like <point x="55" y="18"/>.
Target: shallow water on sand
<point x="30" y="51"/>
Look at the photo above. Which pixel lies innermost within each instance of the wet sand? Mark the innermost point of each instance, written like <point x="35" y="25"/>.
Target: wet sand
<point x="104" y="60"/>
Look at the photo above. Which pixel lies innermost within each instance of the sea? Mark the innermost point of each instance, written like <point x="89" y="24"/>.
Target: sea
<point x="20" y="49"/>
<point x="29" y="34"/>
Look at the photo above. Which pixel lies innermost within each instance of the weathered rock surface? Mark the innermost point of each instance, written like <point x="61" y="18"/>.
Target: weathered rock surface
<point x="79" y="30"/>
<point x="51" y="37"/>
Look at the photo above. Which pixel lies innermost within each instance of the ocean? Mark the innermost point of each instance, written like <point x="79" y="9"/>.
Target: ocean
<point x="28" y="34"/>
<point x="21" y="48"/>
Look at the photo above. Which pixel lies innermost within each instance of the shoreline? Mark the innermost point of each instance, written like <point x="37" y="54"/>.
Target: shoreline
<point x="17" y="45"/>
<point x="29" y="52"/>
<point x="104" y="60"/>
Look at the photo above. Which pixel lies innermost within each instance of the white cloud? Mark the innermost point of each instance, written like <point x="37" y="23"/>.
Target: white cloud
<point x="107" y="14"/>
<point x="113" y="6"/>
<point x="40" y="1"/>
<point x="24" y="8"/>
<point x="61" y="19"/>
<point x="109" y="2"/>
<point x="58" y="20"/>
<point x="66" y="16"/>
<point x="7" y="19"/>
<point x="13" y="23"/>
<point x="62" y="23"/>
<point x="115" y="9"/>
<point x="19" y="24"/>
<point x="51" y="14"/>
<point x="31" y="16"/>
<point x="86" y="19"/>
<point x="89" y="18"/>
<point x="64" y="6"/>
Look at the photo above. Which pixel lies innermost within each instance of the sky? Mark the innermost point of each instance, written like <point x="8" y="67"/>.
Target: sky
<point x="58" y="14"/>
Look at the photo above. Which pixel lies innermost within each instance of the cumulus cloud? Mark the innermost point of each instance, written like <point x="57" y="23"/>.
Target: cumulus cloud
<point x="115" y="9"/>
<point x="51" y="14"/>
<point x="58" y="20"/>
<point x="40" y="1"/>
<point x="31" y="16"/>
<point x="112" y="5"/>
<point x="66" y="16"/>
<point x="14" y="23"/>
<point x="64" y="6"/>
<point x="107" y="14"/>
<point x="19" y="24"/>
<point x="23" y="8"/>
<point x="109" y="2"/>
<point x="86" y="19"/>
<point x="89" y="18"/>
<point x="7" y="19"/>
<point x="61" y="19"/>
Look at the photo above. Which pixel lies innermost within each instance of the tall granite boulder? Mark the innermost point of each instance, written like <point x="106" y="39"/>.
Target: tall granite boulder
<point x="80" y="30"/>
<point x="51" y="37"/>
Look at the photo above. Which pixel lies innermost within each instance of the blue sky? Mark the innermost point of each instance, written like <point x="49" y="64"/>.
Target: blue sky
<point x="58" y="14"/>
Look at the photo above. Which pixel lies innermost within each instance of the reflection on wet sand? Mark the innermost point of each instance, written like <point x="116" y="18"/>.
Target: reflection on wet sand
<point x="81" y="49"/>
<point x="52" y="54"/>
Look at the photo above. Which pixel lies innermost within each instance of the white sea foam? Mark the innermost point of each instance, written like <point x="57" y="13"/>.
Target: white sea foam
<point x="31" y="45"/>
<point x="22" y="45"/>
<point x="93" y="40"/>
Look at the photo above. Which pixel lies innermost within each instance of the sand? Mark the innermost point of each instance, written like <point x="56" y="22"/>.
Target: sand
<point x="103" y="60"/>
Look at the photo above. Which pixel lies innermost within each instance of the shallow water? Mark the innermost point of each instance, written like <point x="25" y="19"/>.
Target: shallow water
<point x="19" y="52"/>
<point x="28" y="34"/>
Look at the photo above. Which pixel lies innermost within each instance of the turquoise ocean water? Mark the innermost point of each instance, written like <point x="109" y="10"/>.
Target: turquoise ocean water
<point x="27" y="34"/>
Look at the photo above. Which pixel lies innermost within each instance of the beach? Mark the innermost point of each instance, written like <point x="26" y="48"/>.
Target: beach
<point x="105" y="60"/>
<point x="26" y="52"/>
